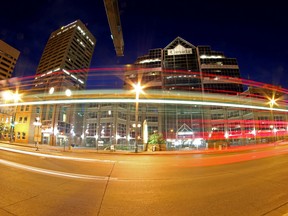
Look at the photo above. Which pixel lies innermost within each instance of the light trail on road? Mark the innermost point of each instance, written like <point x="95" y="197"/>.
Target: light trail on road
<point x="56" y="156"/>
<point x="235" y="158"/>
<point x="55" y="173"/>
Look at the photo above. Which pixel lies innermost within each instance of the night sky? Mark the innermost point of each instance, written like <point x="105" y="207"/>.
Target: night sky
<point x="253" y="33"/>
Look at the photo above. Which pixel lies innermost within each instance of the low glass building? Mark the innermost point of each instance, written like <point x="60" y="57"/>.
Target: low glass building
<point x="186" y="120"/>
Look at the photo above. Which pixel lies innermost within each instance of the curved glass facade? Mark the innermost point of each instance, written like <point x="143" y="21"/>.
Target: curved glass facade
<point x="187" y="121"/>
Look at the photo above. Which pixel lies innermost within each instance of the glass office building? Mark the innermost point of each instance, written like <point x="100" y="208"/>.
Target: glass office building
<point x="63" y="68"/>
<point x="192" y="95"/>
<point x="182" y="71"/>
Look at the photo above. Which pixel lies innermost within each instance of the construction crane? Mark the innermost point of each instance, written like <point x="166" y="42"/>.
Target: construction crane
<point x="113" y="15"/>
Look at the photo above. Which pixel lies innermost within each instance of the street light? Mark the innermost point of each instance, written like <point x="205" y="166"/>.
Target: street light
<point x="138" y="89"/>
<point x="273" y="128"/>
<point x="37" y="132"/>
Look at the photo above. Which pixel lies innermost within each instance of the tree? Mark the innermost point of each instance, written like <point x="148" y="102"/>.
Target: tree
<point x="156" y="142"/>
<point x="3" y="129"/>
<point x="156" y="138"/>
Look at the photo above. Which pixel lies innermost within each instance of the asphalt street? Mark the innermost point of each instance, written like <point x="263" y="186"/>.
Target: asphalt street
<point x="56" y="182"/>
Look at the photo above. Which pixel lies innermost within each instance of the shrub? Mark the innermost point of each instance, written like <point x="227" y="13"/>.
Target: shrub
<point x="156" y="138"/>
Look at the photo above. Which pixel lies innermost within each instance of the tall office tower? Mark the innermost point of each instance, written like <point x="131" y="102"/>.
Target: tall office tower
<point x="66" y="58"/>
<point x="8" y="58"/>
<point x="63" y="67"/>
<point x="183" y="66"/>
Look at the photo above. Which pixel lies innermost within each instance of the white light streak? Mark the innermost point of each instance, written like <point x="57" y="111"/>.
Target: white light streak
<point x="55" y="173"/>
<point x="154" y="101"/>
<point x="56" y="156"/>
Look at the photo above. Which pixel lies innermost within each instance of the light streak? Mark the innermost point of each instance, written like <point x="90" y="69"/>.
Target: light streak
<point x="56" y="156"/>
<point x="55" y="173"/>
<point x="155" y="101"/>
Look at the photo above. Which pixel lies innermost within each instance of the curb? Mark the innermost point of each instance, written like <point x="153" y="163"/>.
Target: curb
<point x="51" y="149"/>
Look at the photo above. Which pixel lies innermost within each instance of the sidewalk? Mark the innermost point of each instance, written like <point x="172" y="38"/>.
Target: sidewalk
<point x="43" y="148"/>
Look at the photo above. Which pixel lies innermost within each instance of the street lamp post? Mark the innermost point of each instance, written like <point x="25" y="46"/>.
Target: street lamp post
<point x="37" y="132"/>
<point x="138" y="89"/>
<point x="272" y="101"/>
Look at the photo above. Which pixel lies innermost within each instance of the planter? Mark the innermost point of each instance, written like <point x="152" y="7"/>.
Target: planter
<point x="153" y="147"/>
<point x="156" y="147"/>
<point x="162" y="147"/>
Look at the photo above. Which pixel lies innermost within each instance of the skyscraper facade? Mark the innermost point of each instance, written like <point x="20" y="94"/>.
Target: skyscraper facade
<point x="63" y="67"/>
<point x="8" y="58"/>
<point x="198" y="93"/>
<point x="178" y="67"/>
<point x="66" y="58"/>
<point x="183" y="66"/>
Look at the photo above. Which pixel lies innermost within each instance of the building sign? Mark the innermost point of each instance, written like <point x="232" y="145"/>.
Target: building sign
<point x="179" y="50"/>
<point x="184" y="130"/>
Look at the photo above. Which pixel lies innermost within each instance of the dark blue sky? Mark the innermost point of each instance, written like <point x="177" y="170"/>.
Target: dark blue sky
<point x="254" y="33"/>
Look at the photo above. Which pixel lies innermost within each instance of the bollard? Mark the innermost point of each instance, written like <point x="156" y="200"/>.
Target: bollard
<point x="112" y="148"/>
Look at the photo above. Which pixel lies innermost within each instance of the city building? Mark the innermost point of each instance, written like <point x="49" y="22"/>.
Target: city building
<point x="115" y="124"/>
<point x="269" y="125"/>
<point x="180" y="71"/>
<point x="9" y="114"/>
<point x="188" y="120"/>
<point x="8" y="58"/>
<point x="179" y="67"/>
<point x="63" y="68"/>
<point x="5" y="123"/>
<point x="66" y="58"/>
<point x="183" y="66"/>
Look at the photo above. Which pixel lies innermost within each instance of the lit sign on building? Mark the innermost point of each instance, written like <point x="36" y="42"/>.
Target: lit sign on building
<point x="179" y="50"/>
